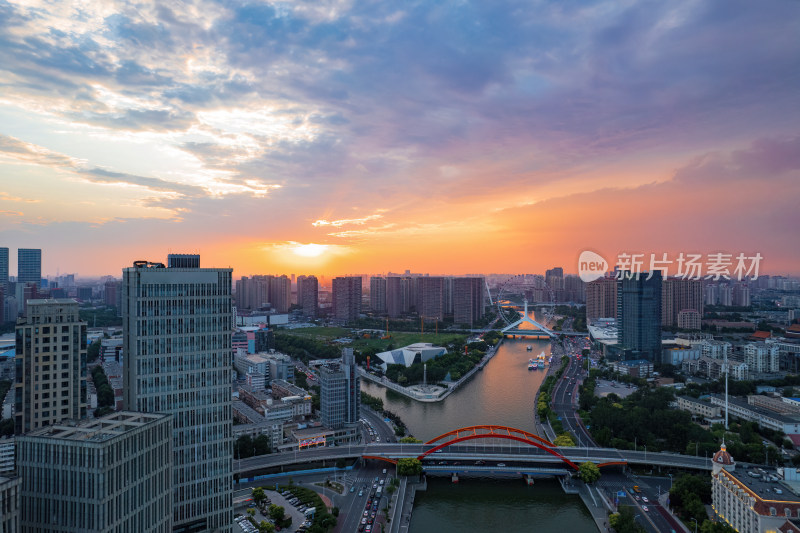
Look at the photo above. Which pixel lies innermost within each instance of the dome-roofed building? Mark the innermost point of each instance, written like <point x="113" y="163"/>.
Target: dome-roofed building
<point x="753" y="499"/>
<point x="723" y="459"/>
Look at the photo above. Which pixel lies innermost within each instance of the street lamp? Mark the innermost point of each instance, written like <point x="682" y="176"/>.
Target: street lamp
<point x="645" y="452"/>
<point x="695" y="524"/>
<point x="670" y="482"/>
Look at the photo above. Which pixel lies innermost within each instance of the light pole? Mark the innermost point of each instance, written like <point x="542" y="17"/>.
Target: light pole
<point x="695" y="524"/>
<point x="645" y="452"/>
<point x="670" y="482"/>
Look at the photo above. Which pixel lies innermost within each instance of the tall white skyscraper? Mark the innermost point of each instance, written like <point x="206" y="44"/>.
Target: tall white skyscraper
<point x="177" y="346"/>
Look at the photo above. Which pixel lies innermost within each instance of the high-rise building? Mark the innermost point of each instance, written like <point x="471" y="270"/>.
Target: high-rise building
<point x="29" y="265"/>
<point x="710" y="294"/>
<point x="177" y="344"/>
<point x="377" y="294"/>
<point x="112" y="473"/>
<point x="9" y="504"/>
<point x="308" y="295"/>
<point x="639" y="315"/>
<point x="725" y="295"/>
<point x="601" y="299"/>
<point x="554" y="278"/>
<point x="469" y="302"/>
<point x="50" y="382"/>
<point x="680" y="295"/>
<point x="394" y="300"/>
<point x="280" y="293"/>
<point x="252" y="293"/>
<point x="111" y="293"/>
<point x="346" y="298"/>
<point x="3" y="268"/>
<point x="430" y="294"/>
<point x="340" y="392"/>
<point x="574" y="289"/>
<point x="741" y="295"/>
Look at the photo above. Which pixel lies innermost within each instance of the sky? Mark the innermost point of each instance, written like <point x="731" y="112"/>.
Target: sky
<point x="343" y="136"/>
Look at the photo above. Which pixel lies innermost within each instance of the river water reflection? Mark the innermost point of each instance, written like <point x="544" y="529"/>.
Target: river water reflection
<point x="502" y="394"/>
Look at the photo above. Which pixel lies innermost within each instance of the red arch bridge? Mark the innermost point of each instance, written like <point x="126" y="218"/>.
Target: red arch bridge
<point x="491" y="445"/>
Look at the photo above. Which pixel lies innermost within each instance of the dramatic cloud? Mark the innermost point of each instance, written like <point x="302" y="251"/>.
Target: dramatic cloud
<point x="377" y="125"/>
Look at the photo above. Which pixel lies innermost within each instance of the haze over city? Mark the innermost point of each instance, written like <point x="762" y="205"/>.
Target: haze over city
<point x="340" y="137"/>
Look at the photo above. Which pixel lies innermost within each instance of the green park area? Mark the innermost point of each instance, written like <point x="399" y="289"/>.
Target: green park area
<point x="319" y="343"/>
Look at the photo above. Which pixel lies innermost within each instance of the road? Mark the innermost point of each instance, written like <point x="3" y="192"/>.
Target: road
<point x="656" y="518"/>
<point x="383" y="429"/>
<point x="565" y="401"/>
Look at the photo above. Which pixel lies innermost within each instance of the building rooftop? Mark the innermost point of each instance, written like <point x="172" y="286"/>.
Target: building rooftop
<point x="692" y="399"/>
<point x="248" y="411"/>
<point x="763" y="486"/>
<point x="52" y="301"/>
<point x="99" y="429"/>
<point x="788" y="419"/>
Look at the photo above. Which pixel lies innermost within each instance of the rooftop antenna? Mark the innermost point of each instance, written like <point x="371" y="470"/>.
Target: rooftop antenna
<point x="726" y="391"/>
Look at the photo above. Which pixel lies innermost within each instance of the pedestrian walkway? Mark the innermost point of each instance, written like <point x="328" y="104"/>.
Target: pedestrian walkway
<point x="595" y="504"/>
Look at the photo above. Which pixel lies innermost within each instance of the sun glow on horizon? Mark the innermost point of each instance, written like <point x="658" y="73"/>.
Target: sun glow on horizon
<point x="310" y="250"/>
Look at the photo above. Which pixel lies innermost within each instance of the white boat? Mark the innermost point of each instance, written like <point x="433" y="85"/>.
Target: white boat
<point x="529" y="348"/>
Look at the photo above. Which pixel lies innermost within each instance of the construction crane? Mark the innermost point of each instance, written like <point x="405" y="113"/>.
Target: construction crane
<point x="422" y="323"/>
<point x="387" y="336"/>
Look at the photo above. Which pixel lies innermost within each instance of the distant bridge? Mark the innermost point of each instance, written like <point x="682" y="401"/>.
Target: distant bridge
<point x="514" y="329"/>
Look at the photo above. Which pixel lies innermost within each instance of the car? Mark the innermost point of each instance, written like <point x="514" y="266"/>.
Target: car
<point x="384" y="471"/>
<point x="644" y="499"/>
<point x="361" y="493"/>
<point x="368" y="528"/>
<point x="352" y="489"/>
<point x="366" y="512"/>
<point x="501" y="464"/>
<point x="480" y="462"/>
<point x="381" y="482"/>
<point x="644" y="508"/>
<point x="637" y="498"/>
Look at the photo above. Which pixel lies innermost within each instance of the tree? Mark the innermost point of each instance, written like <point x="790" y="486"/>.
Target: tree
<point x="265" y="527"/>
<point x="564" y="440"/>
<point x="409" y="466"/>
<point x="624" y="521"/>
<point x="588" y="472"/>
<point x="410" y="440"/>
<point x="259" y="495"/>
<point x="276" y="512"/>
<point x="261" y="445"/>
<point x="716" y="527"/>
<point x="93" y="351"/>
<point x="103" y="411"/>
<point x="251" y="511"/>
<point x="335" y="511"/>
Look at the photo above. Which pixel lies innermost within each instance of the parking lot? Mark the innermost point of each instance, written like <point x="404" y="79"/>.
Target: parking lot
<point x="605" y="387"/>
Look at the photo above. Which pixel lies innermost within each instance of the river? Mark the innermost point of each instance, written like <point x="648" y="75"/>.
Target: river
<point x="501" y="394"/>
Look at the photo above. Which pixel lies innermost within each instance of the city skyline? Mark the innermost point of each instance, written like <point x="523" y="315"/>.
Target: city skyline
<point x="335" y="137"/>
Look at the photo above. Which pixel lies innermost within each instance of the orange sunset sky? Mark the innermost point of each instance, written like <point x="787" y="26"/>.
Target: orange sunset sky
<point x="335" y="137"/>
